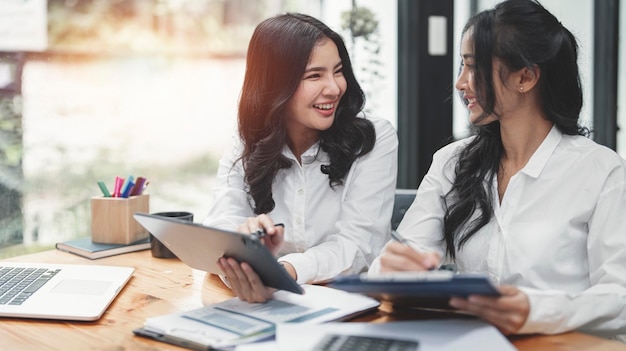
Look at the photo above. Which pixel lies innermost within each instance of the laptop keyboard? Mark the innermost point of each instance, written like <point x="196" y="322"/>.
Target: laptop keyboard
<point x="17" y="284"/>
<point x="334" y="342"/>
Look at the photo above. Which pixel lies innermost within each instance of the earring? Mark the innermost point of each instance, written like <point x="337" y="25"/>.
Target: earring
<point x="521" y="89"/>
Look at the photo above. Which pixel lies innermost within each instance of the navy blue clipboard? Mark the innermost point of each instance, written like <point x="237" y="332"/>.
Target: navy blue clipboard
<point x="415" y="286"/>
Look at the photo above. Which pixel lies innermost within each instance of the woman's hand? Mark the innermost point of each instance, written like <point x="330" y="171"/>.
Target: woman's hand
<point x="401" y="257"/>
<point x="274" y="235"/>
<point x="244" y="281"/>
<point x="508" y="312"/>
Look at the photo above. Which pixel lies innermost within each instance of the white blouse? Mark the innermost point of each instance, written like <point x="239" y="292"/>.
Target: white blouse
<point x="559" y="234"/>
<point x="327" y="231"/>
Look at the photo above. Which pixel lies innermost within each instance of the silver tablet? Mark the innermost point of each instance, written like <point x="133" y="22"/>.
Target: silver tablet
<point x="200" y="247"/>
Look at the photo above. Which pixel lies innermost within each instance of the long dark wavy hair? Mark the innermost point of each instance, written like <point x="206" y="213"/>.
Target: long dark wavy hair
<point x="278" y="54"/>
<point x="521" y="33"/>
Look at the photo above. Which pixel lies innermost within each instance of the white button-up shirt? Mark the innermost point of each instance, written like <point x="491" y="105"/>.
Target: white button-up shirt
<point x="559" y="233"/>
<point x="327" y="231"/>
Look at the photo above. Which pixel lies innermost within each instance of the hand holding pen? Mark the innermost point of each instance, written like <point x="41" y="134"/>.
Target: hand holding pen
<point x="264" y="229"/>
<point x="399" y="256"/>
<point x="261" y="233"/>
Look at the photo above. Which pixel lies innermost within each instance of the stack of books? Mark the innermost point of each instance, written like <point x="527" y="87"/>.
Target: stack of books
<point x="86" y="248"/>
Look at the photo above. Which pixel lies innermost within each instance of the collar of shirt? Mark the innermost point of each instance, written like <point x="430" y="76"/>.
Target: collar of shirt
<point x="541" y="156"/>
<point x="311" y="154"/>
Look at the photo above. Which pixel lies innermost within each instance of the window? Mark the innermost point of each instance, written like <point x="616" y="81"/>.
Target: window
<point x="142" y="88"/>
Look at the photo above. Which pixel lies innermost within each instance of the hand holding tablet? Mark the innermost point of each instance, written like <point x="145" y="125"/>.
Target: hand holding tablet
<point x="200" y="247"/>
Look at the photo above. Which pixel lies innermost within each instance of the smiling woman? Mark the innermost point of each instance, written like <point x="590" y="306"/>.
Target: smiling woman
<point x="306" y="157"/>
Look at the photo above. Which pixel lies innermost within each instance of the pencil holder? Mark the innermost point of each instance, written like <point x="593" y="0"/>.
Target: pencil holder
<point x="112" y="220"/>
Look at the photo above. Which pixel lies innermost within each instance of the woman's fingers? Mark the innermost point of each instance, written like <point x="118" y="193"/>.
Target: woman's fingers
<point x="401" y="257"/>
<point x="244" y="281"/>
<point x="259" y="292"/>
<point x="507" y="312"/>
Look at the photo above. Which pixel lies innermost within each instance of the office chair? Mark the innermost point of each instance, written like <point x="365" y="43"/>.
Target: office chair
<point x="403" y="199"/>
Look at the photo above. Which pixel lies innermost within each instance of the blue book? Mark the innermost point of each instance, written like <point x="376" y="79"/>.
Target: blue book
<point x="86" y="248"/>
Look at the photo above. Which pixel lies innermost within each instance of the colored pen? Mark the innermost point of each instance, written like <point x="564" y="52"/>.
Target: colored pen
<point x="117" y="190"/>
<point x="127" y="189"/>
<point x="104" y="189"/>
<point x="138" y="187"/>
<point x="259" y="233"/>
<point x="128" y="184"/>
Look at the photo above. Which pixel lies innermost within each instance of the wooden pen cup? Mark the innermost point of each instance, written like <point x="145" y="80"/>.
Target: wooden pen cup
<point x="112" y="220"/>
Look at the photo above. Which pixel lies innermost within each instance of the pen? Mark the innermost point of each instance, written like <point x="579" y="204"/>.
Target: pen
<point x="128" y="184"/>
<point x="138" y="187"/>
<point x="399" y="238"/>
<point x="127" y="189"/>
<point x="259" y="233"/>
<point x="104" y="189"/>
<point x="117" y="190"/>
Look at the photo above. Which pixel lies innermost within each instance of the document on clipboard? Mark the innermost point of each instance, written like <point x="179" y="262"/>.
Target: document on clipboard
<point x="417" y="289"/>
<point x="232" y="322"/>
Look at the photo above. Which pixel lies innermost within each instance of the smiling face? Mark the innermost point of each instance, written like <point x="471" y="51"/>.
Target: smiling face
<point x="507" y="99"/>
<point x="465" y="82"/>
<point x="313" y="106"/>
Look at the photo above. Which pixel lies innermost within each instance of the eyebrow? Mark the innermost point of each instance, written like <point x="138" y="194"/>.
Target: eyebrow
<point x="319" y="69"/>
<point x="466" y="56"/>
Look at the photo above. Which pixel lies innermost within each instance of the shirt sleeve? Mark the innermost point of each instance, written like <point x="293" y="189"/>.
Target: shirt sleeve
<point x="365" y="219"/>
<point x="600" y="309"/>
<point x="422" y="224"/>
<point x="231" y="204"/>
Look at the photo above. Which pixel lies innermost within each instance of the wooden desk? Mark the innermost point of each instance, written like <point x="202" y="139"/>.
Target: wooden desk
<point x="161" y="286"/>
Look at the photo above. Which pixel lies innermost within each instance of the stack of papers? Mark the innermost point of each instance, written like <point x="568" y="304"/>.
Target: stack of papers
<point x="234" y="322"/>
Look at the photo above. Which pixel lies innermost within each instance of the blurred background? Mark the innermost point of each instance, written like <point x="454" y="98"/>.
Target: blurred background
<point x="93" y="89"/>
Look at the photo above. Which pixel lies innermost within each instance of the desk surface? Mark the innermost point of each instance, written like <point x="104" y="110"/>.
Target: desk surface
<point x="161" y="286"/>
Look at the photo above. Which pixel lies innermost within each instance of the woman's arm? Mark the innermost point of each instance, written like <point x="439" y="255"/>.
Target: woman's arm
<point x="231" y="204"/>
<point x="422" y="224"/>
<point x="365" y="215"/>
<point x="600" y="309"/>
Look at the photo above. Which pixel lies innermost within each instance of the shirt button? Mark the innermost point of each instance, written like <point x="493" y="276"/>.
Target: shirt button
<point x="298" y="221"/>
<point x="300" y="192"/>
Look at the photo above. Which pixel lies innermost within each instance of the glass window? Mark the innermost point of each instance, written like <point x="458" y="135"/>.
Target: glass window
<point x="145" y="88"/>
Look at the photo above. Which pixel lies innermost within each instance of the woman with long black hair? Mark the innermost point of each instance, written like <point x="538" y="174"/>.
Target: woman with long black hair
<point x="528" y="200"/>
<point x="305" y="157"/>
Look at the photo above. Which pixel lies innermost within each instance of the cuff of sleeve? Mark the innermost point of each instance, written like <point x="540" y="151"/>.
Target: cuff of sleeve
<point x="304" y="266"/>
<point x="545" y="316"/>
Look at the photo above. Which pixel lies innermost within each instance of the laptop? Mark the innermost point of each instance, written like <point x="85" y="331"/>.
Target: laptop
<point x="59" y="291"/>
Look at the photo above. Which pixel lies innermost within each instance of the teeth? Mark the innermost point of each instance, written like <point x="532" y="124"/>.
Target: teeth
<point x="324" y="106"/>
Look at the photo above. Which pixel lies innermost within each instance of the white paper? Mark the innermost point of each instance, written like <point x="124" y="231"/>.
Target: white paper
<point x="234" y="321"/>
